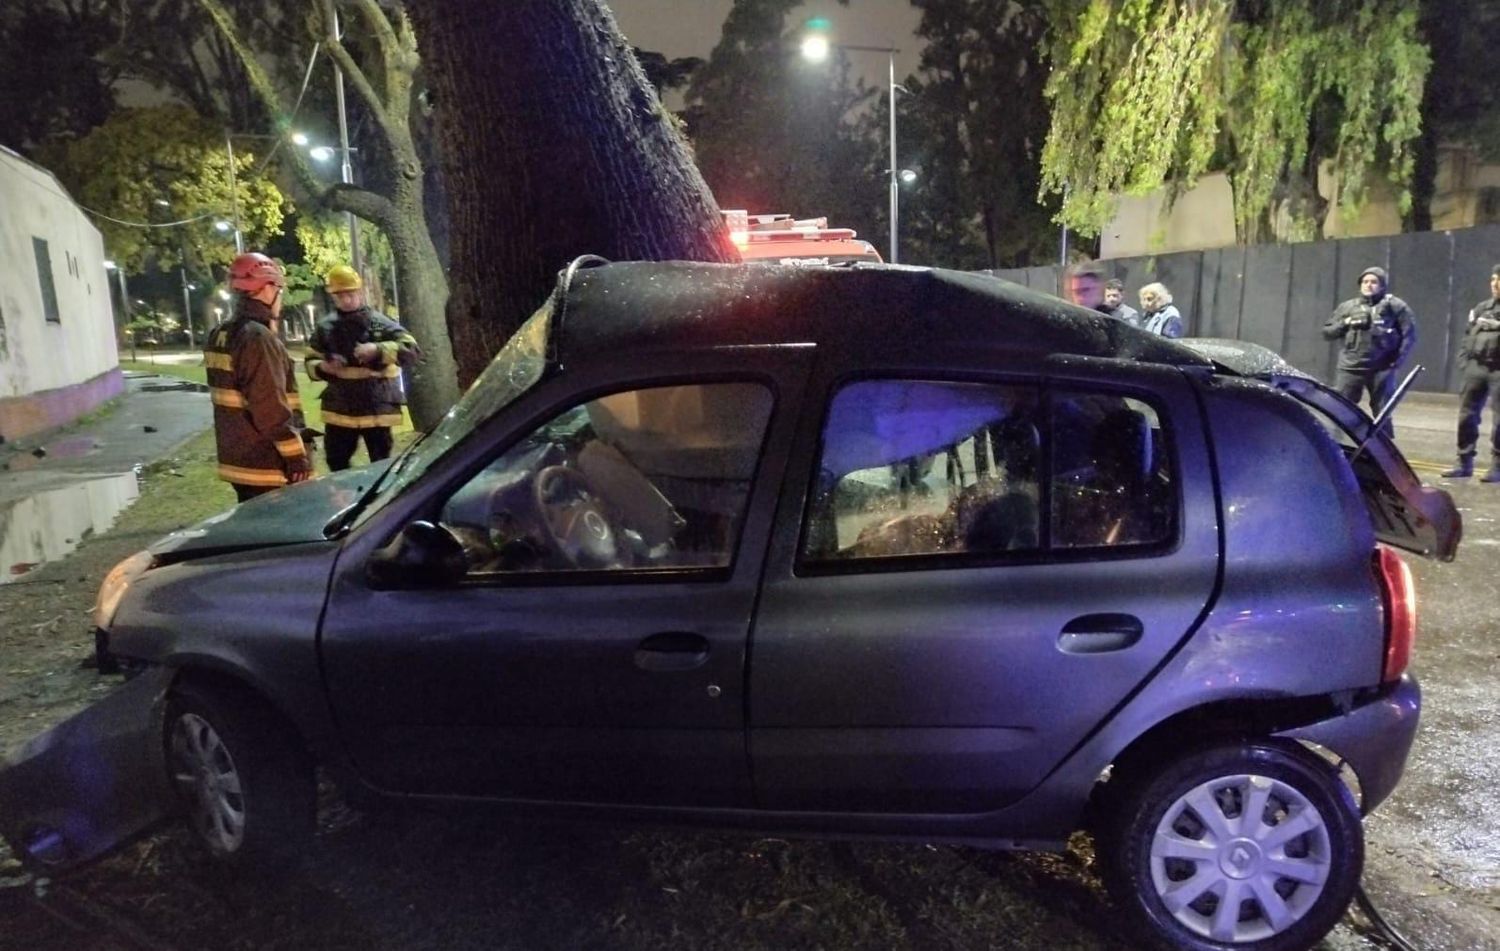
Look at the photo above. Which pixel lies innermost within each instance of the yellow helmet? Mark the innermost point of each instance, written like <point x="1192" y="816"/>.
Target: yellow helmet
<point x="343" y="278"/>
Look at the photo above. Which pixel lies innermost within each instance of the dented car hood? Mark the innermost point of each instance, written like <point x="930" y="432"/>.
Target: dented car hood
<point x="288" y="516"/>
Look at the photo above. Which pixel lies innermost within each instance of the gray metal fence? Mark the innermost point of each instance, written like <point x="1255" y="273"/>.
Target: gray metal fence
<point x="1278" y="295"/>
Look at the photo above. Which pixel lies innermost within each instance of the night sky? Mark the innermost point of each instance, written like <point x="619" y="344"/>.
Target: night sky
<point x="691" y="28"/>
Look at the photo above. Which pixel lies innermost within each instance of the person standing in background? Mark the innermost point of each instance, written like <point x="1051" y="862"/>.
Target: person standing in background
<point x="1158" y="314"/>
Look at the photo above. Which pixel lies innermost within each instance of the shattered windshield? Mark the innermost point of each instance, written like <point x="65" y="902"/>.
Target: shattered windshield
<point x="515" y="369"/>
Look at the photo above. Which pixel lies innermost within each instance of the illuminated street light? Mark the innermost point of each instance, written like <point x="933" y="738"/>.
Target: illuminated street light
<point x="299" y="139"/>
<point x="109" y="265"/>
<point x="321" y="153"/>
<point x="907" y="176"/>
<point x="222" y="226"/>
<point x="815" y="47"/>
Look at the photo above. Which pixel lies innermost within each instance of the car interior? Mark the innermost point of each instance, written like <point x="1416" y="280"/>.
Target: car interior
<point x="644" y="479"/>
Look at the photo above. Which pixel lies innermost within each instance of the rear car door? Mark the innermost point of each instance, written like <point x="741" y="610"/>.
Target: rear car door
<point x="970" y="574"/>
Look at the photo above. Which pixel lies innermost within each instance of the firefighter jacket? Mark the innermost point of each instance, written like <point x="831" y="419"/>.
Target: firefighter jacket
<point x="1481" y="344"/>
<point x="361" y="396"/>
<point x="257" y="412"/>
<point x="1379" y="337"/>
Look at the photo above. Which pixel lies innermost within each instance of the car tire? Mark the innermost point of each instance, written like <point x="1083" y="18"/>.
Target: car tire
<point x="242" y="779"/>
<point x="1178" y="841"/>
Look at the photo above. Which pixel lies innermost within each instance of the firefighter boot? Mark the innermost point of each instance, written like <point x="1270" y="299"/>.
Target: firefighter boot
<point x="1494" y="474"/>
<point x="1463" y="470"/>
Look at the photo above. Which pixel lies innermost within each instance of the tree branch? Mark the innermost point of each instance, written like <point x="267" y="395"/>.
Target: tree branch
<point x="366" y="204"/>
<point x="352" y="72"/>
<point x="261" y="83"/>
<point x="375" y="16"/>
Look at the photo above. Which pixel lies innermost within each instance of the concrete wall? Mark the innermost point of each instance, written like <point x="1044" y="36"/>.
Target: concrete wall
<point x="1203" y="217"/>
<point x="1466" y="195"/>
<point x="51" y="371"/>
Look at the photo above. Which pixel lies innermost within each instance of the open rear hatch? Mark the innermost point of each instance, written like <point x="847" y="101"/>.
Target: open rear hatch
<point x="1405" y="513"/>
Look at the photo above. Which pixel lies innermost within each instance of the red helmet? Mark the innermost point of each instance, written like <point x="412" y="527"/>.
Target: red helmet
<point x="252" y="271"/>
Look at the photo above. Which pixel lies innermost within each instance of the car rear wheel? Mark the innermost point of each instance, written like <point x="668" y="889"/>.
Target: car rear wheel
<point x="1240" y="846"/>
<point x="243" y="781"/>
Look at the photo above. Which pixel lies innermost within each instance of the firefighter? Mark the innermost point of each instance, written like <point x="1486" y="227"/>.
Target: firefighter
<point x="252" y="382"/>
<point x="359" y="352"/>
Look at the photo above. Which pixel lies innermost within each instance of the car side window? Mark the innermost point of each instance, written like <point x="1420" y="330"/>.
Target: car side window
<point x="645" y="479"/>
<point x="1111" y="473"/>
<point x="927" y="468"/>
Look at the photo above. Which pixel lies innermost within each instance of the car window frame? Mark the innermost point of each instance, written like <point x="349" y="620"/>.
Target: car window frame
<point x="432" y="507"/>
<point x="1045" y="553"/>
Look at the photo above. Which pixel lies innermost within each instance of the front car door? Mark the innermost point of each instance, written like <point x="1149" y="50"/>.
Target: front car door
<point x="595" y="651"/>
<point x="971" y="573"/>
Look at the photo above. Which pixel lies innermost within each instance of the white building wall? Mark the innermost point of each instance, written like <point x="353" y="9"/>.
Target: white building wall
<point x="37" y="355"/>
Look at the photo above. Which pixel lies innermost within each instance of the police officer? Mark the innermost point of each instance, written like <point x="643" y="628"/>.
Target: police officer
<point x="359" y="352"/>
<point x="1479" y="358"/>
<point x="252" y="383"/>
<point x="1378" y="331"/>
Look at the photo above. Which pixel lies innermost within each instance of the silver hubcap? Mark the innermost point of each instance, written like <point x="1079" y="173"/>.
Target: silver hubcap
<point x="208" y="782"/>
<point x="1240" y="858"/>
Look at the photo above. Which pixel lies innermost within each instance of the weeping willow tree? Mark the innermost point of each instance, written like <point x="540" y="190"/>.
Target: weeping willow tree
<point x="1148" y="94"/>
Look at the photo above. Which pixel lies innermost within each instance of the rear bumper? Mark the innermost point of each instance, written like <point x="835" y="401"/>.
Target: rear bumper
<point x="1373" y="738"/>
<point x="92" y="782"/>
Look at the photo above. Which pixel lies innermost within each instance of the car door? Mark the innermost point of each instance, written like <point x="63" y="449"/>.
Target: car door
<point x="970" y="574"/>
<point x="613" y="678"/>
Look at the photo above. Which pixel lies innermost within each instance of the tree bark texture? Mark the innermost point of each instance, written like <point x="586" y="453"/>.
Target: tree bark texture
<point x="554" y="145"/>
<point x="398" y="208"/>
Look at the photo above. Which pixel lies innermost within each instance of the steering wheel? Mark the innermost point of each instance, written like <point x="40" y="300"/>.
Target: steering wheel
<point x="574" y="519"/>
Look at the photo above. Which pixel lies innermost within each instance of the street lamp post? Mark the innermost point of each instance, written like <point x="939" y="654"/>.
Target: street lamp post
<point x="346" y="171"/>
<point x="234" y="197"/>
<point x="124" y="293"/>
<point x="815" y="47"/>
<point x="187" y="306"/>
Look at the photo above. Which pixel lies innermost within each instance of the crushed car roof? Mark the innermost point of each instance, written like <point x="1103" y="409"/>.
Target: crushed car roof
<point x="643" y="306"/>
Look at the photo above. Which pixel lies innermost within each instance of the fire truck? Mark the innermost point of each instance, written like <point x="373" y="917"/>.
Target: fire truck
<point x="782" y="239"/>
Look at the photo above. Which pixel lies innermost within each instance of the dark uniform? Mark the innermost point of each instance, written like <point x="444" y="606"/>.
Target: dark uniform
<point x="1479" y="356"/>
<point x="360" y="399"/>
<point x="1376" y="343"/>
<point x="257" y="412"/>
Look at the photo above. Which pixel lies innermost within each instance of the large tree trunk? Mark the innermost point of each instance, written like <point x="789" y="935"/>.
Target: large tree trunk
<point x="424" y="296"/>
<point x="553" y="145"/>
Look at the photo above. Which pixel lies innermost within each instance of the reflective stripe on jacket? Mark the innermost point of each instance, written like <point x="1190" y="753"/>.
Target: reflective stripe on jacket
<point x="257" y="412"/>
<point x="361" y="396"/>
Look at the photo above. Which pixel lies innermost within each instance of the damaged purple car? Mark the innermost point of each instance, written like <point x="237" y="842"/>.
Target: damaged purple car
<point x="867" y="551"/>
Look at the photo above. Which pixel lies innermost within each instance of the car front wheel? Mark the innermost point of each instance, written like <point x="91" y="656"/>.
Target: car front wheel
<point x="245" y="784"/>
<point x="1239" y="846"/>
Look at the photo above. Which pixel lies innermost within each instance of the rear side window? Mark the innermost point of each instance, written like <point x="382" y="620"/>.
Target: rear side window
<point x="1111" y="478"/>
<point x="943" y="470"/>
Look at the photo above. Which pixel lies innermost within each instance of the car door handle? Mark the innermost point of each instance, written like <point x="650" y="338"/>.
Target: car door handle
<point x="1099" y="633"/>
<point x="672" y="650"/>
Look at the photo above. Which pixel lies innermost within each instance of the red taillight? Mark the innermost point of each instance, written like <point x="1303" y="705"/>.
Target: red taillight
<point x="1400" y="598"/>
